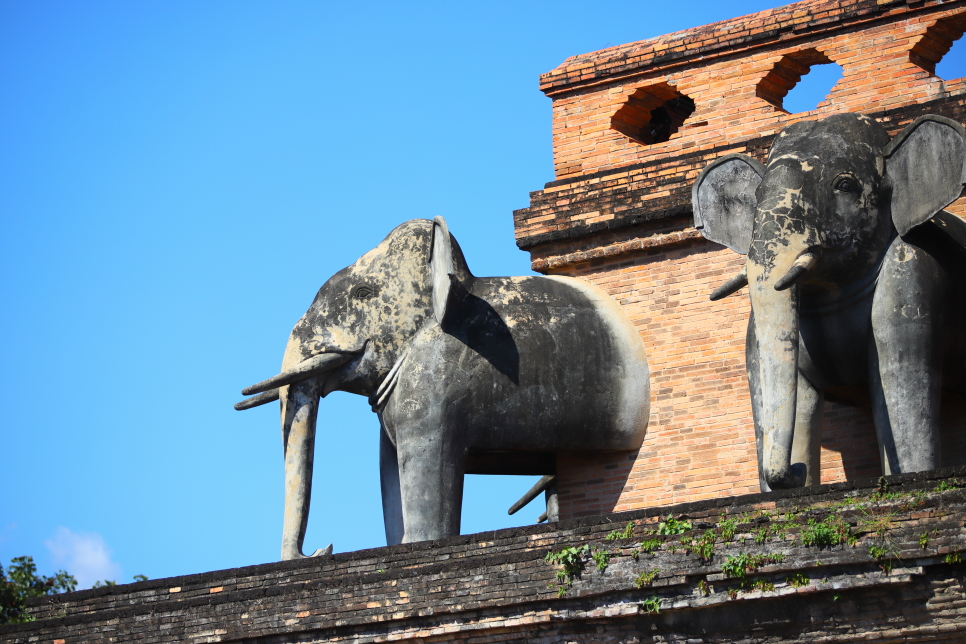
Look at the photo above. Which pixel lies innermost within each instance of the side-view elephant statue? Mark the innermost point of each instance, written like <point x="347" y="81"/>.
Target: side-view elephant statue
<point x="465" y="373"/>
<point x="856" y="279"/>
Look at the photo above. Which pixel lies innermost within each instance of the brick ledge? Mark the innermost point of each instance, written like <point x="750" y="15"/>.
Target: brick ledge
<point x="545" y="264"/>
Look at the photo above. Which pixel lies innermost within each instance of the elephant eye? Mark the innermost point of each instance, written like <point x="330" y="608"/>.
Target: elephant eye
<point x="846" y="184"/>
<point x="363" y="292"/>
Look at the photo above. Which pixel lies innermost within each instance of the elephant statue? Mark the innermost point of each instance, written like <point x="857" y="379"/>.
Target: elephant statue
<point x="855" y="274"/>
<point x="467" y="375"/>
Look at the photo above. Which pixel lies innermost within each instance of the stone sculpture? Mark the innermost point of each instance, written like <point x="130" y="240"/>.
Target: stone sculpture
<point x="465" y="373"/>
<point x="855" y="274"/>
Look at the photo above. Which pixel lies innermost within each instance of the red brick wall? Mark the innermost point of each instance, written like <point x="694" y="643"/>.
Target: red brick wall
<point x="619" y="215"/>
<point x="874" y="54"/>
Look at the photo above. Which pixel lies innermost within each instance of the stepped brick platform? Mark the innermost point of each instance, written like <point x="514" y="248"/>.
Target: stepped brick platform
<point x="845" y="562"/>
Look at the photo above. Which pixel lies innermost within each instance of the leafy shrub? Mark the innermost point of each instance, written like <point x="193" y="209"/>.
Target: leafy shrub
<point x="739" y="565"/>
<point x="829" y="532"/>
<point x="799" y="580"/>
<point x="601" y="559"/>
<point x="671" y="526"/>
<point x="652" y="605"/>
<point x="728" y="529"/>
<point x="626" y="533"/>
<point x="646" y="577"/>
<point x="646" y="547"/>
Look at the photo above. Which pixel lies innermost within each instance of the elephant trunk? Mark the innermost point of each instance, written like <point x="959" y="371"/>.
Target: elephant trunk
<point x="774" y="300"/>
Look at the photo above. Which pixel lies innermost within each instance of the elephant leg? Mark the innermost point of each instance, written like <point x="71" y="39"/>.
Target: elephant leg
<point x="392" y="512"/>
<point x="807" y="442"/>
<point x="431" y="467"/>
<point x="904" y="359"/>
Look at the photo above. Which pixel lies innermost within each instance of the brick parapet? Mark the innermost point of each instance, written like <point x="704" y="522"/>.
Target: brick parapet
<point x="494" y="586"/>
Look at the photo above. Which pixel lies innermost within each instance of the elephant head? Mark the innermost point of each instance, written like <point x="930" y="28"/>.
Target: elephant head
<point x="816" y="220"/>
<point x="350" y="339"/>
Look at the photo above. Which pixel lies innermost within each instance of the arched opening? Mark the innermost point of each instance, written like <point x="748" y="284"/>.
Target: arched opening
<point x="799" y="82"/>
<point x="940" y="50"/>
<point x="653" y="114"/>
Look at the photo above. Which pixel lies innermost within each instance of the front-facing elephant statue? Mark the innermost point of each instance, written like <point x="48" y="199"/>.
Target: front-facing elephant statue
<point x="465" y="373"/>
<point x="856" y="278"/>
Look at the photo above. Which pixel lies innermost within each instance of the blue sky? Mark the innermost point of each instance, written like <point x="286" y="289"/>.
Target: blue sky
<point x="177" y="179"/>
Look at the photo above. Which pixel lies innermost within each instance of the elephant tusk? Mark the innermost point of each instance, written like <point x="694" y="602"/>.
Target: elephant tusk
<point x="733" y="285"/>
<point x="257" y="401"/>
<point x="804" y="262"/>
<point x="302" y="371"/>
<point x="539" y="487"/>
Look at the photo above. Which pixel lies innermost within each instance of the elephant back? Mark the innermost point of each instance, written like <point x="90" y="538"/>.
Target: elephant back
<point x="554" y="354"/>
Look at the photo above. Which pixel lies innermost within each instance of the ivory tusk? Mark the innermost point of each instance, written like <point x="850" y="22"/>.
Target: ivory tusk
<point x="539" y="487"/>
<point x="302" y="371"/>
<point x="256" y="401"/>
<point x="733" y="285"/>
<point x="804" y="262"/>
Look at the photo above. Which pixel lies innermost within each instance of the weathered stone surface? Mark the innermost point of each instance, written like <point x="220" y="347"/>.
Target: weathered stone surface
<point x="897" y="577"/>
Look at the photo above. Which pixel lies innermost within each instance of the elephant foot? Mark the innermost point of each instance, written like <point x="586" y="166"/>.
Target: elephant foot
<point x="794" y="478"/>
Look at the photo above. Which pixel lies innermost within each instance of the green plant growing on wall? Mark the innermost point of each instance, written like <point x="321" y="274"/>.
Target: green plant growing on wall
<point x="761" y="534"/>
<point x="831" y="531"/>
<point x="799" y="580"/>
<point x="758" y="584"/>
<point x="646" y="547"/>
<point x="880" y="524"/>
<point x="877" y="552"/>
<point x="704" y="547"/>
<point x="704" y="588"/>
<point x="672" y="526"/>
<point x="728" y="529"/>
<point x="880" y="554"/>
<point x="945" y="486"/>
<point x="737" y="566"/>
<point x="571" y="560"/>
<point x="601" y="559"/>
<point x="652" y="605"/>
<point x="626" y="533"/>
<point x="646" y="578"/>
<point x="924" y="540"/>
<point x="953" y="558"/>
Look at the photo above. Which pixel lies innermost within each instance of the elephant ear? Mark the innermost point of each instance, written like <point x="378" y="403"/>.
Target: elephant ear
<point x="926" y="165"/>
<point x="724" y="201"/>
<point x="441" y="267"/>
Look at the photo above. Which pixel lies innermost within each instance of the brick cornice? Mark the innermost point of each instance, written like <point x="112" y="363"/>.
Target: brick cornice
<point x="726" y="38"/>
